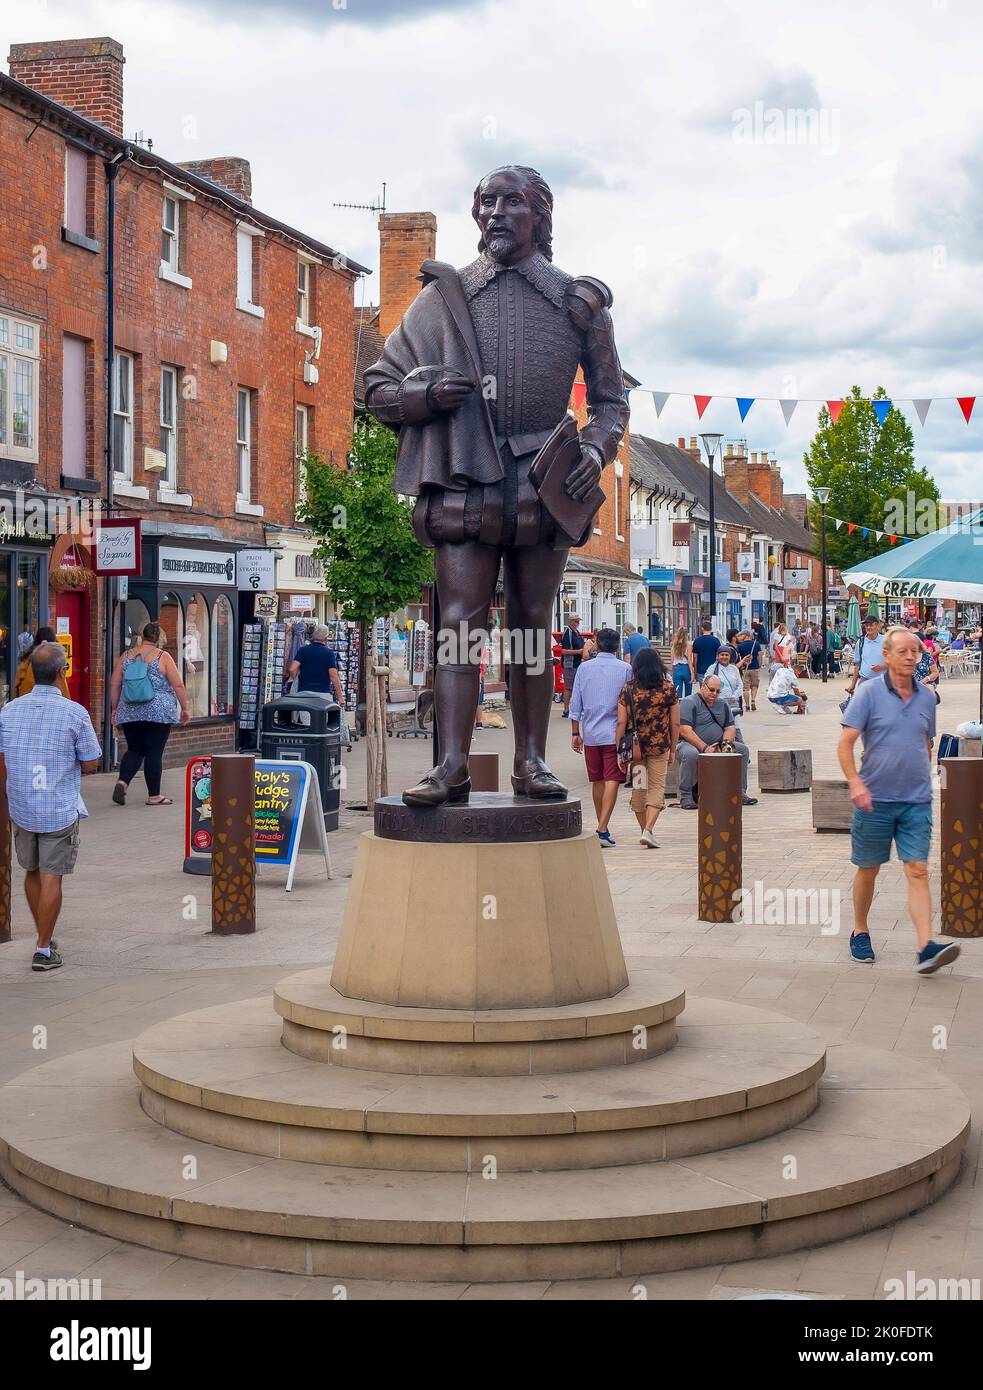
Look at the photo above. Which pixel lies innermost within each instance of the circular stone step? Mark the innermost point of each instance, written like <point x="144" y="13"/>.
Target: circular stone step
<point x="885" y="1140"/>
<point x="226" y="1080"/>
<point x="325" y="1026"/>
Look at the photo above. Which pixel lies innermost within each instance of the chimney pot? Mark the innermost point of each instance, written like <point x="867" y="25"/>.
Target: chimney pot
<point x="682" y="441"/>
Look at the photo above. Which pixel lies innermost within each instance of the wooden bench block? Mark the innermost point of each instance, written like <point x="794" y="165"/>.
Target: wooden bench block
<point x="832" y="808"/>
<point x="672" y="780"/>
<point x="970" y="748"/>
<point x="784" y="769"/>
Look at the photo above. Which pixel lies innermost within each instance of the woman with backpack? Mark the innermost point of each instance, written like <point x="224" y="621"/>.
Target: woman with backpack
<point x="145" y="693"/>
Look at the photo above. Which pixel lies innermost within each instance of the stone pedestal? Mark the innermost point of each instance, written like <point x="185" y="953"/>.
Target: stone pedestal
<point x="497" y="903"/>
<point x="832" y="808"/>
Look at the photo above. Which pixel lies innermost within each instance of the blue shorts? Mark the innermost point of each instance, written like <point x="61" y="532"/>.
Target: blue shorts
<point x="907" y="823"/>
<point x="784" y="699"/>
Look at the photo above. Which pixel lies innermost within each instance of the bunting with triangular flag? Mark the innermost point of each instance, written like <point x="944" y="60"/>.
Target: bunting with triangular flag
<point x="881" y="409"/>
<point x="921" y="409"/>
<point x="579" y="394"/>
<point x="788" y="409"/>
<point x="966" y="404"/>
<point x="834" y="408"/>
<point x="701" y="404"/>
<point x="744" y="404"/>
<point x="660" y="398"/>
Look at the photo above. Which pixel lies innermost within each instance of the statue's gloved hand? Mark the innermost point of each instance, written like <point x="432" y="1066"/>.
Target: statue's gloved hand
<point x="449" y="392"/>
<point x="584" y="477"/>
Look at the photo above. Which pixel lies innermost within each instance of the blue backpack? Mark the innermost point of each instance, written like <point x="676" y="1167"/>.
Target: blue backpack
<point x="138" y="688"/>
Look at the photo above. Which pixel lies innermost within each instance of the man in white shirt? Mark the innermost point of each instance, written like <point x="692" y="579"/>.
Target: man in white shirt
<point x="785" y="693"/>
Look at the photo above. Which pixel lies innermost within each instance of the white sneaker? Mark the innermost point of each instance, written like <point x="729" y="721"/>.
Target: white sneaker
<point x="648" y="840"/>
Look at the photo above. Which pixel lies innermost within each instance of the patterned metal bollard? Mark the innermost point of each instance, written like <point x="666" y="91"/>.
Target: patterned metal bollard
<point x="233" y="845"/>
<point x="962" y="847"/>
<point x="720" y="837"/>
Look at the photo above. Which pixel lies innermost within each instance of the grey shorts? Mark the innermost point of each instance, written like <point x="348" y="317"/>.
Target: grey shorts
<point x="50" y="851"/>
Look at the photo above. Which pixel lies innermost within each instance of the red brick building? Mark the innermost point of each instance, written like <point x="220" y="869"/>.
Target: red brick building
<point x="233" y="350"/>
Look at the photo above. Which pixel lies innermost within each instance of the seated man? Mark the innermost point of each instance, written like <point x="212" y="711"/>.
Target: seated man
<point x="785" y="693"/>
<point x="704" y="720"/>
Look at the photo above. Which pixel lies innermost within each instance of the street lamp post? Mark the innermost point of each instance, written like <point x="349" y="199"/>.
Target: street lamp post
<point x="711" y="442"/>
<point x="822" y="496"/>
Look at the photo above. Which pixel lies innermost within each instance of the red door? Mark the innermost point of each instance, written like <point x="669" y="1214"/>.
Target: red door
<point x="74" y="606"/>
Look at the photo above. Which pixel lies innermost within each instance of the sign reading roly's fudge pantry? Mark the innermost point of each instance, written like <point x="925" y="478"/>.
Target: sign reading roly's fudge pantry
<point x="182" y="566"/>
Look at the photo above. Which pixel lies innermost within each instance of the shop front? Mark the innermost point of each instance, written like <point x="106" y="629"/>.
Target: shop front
<point x="189" y="587"/>
<point x="24" y="561"/>
<point x="300" y="585"/>
<point x="675" y="600"/>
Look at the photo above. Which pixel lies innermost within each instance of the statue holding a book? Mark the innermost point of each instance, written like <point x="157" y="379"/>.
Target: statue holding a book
<point x="477" y="380"/>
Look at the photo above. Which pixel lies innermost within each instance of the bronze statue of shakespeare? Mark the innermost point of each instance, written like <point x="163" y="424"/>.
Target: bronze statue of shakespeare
<point x="476" y="379"/>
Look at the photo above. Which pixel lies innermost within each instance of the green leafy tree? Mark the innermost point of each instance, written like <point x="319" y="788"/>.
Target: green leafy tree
<point x="373" y="563"/>
<point x="872" y="477"/>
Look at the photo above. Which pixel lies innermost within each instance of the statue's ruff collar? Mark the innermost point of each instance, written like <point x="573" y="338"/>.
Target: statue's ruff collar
<point x="540" y="273"/>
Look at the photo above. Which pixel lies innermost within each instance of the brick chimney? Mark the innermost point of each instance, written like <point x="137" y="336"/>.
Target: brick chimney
<point x="406" y="240"/>
<point x="737" y="469"/>
<point x="795" y="504"/>
<point x="83" y="74"/>
<point x="229" y="171"/>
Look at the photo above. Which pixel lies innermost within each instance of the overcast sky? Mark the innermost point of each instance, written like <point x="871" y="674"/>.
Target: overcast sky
<point x="748" y="255"/>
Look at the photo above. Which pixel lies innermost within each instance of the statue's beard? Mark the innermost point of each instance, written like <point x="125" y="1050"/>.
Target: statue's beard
<point x="499" y="244"/>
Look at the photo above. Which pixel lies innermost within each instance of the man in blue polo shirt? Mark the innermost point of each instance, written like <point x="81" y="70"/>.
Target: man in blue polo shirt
<point x="892" y="793"/>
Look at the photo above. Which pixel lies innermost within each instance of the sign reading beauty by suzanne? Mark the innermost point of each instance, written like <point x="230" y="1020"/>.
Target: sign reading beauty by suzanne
<point x="117" y="547"/>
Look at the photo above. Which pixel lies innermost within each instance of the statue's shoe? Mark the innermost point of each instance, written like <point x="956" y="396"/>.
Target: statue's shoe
<point x="433" y="790"/>
<point x="540" y="785"/>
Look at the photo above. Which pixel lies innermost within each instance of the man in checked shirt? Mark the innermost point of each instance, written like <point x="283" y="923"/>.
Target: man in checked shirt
<point x="46" y="743"/>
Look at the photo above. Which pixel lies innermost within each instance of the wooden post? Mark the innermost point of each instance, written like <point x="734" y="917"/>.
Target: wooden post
<point x="720" y="838"/>
<point x="376" y="767"/>
<point x="233" y="845"/>
<point x="5" y="877"/>
<point x="962" y="847"/>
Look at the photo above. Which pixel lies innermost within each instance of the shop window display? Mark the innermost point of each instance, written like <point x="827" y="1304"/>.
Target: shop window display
<point x="196" y="652"/>
<point x="222" y="656"/>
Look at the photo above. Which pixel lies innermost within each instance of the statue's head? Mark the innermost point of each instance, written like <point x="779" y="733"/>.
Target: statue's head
<point x="513" y="207"/>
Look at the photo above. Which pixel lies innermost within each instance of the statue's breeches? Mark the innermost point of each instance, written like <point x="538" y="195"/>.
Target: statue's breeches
<point x="507" y="513"/>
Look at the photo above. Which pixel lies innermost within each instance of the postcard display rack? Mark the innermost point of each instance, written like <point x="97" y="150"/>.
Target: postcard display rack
<point x="264" y="647"/>
<point x="343" y="638"/>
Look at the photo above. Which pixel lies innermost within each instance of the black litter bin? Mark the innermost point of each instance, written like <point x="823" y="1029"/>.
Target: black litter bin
<point x="307" y="727"/>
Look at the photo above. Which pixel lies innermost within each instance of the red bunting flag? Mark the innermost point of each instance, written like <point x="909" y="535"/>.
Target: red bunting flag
<point x="852" y="526"/>
<point x="579" y="394"/>
<point x="834" y="408"/>
<point x="966" y="404"/>
<point x="701" y="404"/>
<point x="893" y="539"/>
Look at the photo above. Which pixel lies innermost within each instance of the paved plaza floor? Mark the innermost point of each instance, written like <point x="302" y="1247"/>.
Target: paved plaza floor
<point x="135" y="936"/>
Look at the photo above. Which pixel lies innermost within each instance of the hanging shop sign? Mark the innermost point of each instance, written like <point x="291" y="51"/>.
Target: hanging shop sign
<point x="266" y="606"/>
<point x="745" y="563"/>
<point x="117" y="547"/>
<point x="255" y="570"/>
<point x="796" y="579"/>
